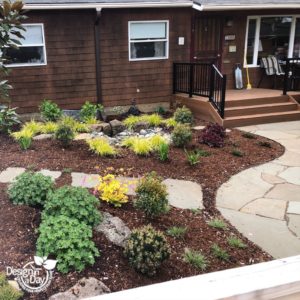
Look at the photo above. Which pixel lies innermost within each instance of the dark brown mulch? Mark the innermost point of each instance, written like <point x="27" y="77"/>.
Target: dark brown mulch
<point x="18" y="223"/>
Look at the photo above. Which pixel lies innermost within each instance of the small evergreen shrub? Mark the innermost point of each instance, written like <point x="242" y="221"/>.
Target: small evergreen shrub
<point x="64" y="134"/>
<point x="146" y="249"/>
<point x="217" y="223"/>
<point x="177" y="232"/>
<point x="73" y="202"/>
<point x="183" y="115"/>
<point x="101" y="147"/>
<point x="213" y="135"/>
<point x="50" y="111"/>
<point x="69" y="241"/>
<point x="160" y="110"/>
<point x="196" y="259"/>
<point x="163" y="152"/>
<point x="152" y="195"/>
<point x="181" y="135"/>
<point x="7" y="292"/>
<point x="30" y="188"/>
<point x="89" y="111"/>
<point x="8" y="119"/>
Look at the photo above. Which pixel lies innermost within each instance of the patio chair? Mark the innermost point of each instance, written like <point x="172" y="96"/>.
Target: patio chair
<point x="271" y="67"/>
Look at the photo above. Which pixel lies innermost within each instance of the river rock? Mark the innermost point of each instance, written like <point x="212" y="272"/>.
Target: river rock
<point x="116" y="126"/>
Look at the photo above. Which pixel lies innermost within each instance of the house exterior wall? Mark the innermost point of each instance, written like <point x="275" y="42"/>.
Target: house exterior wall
<point x="69" y="78"/>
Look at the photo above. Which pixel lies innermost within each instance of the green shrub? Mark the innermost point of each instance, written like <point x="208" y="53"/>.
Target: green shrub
<point x="25" y="142"/>
<point x="8" y="119"/>
<point x="64" y="134"/>
<point x="30" y="188"/>
<point x="89" y="111"/>
<point x="196" y="259"/>
<point x="152" y="195"/>
<point x="69" y="241"/>
<point x="217" y="223"/>
<point x="163" y="152"/>
<point x="181" y="135"/>
<point x="101" y="147"/>
<point x="73" y="202"/>
<point x="7" y="292"/>
<point x="237" y="153"/>
<point x="146" y="249"/>
<point x="50" y="111"/>
<point x="183" y="115"/>
<point x="192" y="157"/>
<point x="236" y="242"/>
<point x="177" y="232"/>
<point x="265" y="144"/>
<point x="160" y="110"/>
<point x="219" y="252"/>
<point x="248" y="135"/>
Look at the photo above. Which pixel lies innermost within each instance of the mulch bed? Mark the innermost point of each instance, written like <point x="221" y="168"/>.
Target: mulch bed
<point x="18" y="223"/>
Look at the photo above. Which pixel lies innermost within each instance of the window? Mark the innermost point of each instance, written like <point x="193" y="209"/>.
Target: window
<point x="32" y="51"/>
<point x="148" y="40"/>
<point x="272" y="35"/>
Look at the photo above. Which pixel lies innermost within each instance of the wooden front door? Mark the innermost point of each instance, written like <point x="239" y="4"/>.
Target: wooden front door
<point x="208" y="39"/>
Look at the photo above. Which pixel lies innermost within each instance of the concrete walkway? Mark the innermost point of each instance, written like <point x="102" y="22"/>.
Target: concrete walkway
<point x="263" y="202"/>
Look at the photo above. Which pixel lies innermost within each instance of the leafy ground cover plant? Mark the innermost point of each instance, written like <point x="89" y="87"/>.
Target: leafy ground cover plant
<point x="265" y="144"/>
<point x="69" y="241"/>
<point x="64" y="134"/>
<point x="196" y="259"/>
<point x="146" y="249"/>
<point x="7" y="292"/>
<point x="213" y="135"/>
<point x="219" y="252"/>
<point x="73" y="202"/>
<point x="248" y="135"/>
<point x="152" y="195"/>
<point x="236" y="242"/>
<point x="8" y="119"/>
<point x="163" y="152"/>
<point x="89" y="111"/>
<point x="50" y="111"/>
<point x="177" y="231"/>
<point x="237" y="153"/>
<point x="217" y="223"/>
<point x="183" y="115"/>
<point x="25" y="142"/>
<point x="101" y="147"/>
<point x="112" y="190"/>
<point x="192" y="157"/>
<point x="181" y="135"/>
<point x="30" y="188"/>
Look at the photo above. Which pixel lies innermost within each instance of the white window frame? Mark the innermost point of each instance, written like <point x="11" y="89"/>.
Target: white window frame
<point x="257" y="33"/>
<point x="166" y="40"/>
<point x="32" y="45"/>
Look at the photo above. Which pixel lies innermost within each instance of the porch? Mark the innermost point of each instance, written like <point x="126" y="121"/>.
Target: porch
<point x="202" y="88"/>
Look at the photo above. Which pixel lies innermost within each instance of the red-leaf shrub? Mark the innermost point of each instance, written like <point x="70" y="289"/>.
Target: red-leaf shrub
<point x="213" y="135"/>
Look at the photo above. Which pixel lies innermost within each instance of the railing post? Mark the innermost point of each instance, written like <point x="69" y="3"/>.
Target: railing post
<point x="212" y="83"/>
<point x="222" y="108"/>
<point x="174" y="77"/>
<point x="286" y="77"/>
<point x="191" y="80"/>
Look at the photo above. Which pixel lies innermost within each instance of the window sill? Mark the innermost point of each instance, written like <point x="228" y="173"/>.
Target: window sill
<point x="25" y="65"/>
<point x="148" y="58"/>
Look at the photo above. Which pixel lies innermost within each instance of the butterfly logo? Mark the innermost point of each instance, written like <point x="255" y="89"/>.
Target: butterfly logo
<point x="48" y="264"/>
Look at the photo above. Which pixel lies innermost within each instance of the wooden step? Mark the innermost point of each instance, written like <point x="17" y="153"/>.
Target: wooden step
<point x="256" y="101"/>
<point x="262" y="118"/>
<point x="261" y="109"/>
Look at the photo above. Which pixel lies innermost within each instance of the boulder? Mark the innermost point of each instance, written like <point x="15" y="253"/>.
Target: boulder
<point x="43" y="136"/>
<point x="96" y="127"/>
<point x="141" y="125"/>
<point x="106" y="128"/>
<point x="114" y="229"/>
<point x="84" y="288"/>
<point x="116" y="126"/>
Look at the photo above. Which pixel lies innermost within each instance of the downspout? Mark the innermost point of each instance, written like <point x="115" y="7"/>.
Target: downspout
<point x="97" y="56"/>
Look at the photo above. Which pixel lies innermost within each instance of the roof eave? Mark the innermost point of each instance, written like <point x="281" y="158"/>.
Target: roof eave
<point x="248" y="7"/>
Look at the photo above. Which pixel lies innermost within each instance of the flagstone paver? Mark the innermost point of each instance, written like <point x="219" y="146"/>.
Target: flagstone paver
<point x="10" y="174"/>
<point x="84" y="180"/>
<point x="53" y="174"/>
<point x="184" y="194"/>
<point x="268" y="213"/>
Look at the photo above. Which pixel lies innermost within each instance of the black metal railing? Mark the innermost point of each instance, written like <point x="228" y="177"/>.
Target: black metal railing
<point x="201" y="79"/>
<point x="291" y="75"/>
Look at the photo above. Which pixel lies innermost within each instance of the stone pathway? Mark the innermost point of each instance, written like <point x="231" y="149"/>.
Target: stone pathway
<point x="263" y="202"/>
<point x="182" y="194"/>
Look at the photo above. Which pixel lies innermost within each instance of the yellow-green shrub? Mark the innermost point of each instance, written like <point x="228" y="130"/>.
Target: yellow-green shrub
<point x="130" y="121"/>
<point x="35" y="127"/>
<point x="112" y="190"/>
<point x="7" y="292"/>
<point x="171" y="122"/>
<point x="142" y="146"/>
<point x="129" y="141"/>
<point x="49" y="127"/>
<point x="156" y="141"/>
<point x="24" y="133"/>
<point x="75" y="125"/>
<point x="101" y="147"/>
<point x="153" y="119"/>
